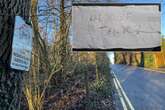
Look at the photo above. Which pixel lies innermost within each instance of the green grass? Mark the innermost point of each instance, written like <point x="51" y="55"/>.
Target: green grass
<point x="149" y="60"/>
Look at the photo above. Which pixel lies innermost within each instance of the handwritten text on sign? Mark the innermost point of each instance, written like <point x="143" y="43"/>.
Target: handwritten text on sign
<point x="110" y="27"/>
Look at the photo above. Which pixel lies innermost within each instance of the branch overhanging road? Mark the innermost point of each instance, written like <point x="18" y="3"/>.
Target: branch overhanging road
<point x="144" y="88"/>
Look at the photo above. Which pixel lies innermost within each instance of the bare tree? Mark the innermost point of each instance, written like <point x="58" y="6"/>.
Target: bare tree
<point x="124" y="57"/>
<point x="142" y="59"/>
<point x="130" y="58"/>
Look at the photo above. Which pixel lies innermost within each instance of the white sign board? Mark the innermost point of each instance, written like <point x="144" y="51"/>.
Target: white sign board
<point x="110" y="27"/>
<point x="22" y="45"/>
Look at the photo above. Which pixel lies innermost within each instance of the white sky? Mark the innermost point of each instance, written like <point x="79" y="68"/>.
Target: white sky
<point x="111" y="57"/>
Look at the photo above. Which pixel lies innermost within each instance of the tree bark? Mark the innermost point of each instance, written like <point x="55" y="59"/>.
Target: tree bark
<point x="124" y="58"/>
<point x="61" y="45"/>
<point x="142" y="59"/>
<point x="97" y="65"/>
<point x="136" y="59"/>
<point x="10" y="80"/>
<point x="130" y="58"/>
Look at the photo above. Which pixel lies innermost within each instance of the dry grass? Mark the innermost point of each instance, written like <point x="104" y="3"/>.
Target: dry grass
<point x="35" y="101"/>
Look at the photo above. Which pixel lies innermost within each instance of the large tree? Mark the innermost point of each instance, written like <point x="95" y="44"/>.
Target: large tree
<point x="142" y="59"/>
<point x="10" y="80"/>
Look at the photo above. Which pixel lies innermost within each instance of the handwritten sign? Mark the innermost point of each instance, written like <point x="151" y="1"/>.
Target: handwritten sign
<point x="22" y="45"/>
<point x="110" y="27"/>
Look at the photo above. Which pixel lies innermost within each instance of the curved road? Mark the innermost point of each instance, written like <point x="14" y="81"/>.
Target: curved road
<point x="144" y="88"/>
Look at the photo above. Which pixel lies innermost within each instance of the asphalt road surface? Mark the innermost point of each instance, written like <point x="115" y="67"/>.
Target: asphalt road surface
<point x="144" y="88"/>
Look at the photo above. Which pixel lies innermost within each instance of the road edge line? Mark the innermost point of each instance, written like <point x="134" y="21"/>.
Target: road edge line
<point x="148" y="69"/>
<point x="124" y="94"/>
<point x="120" y="95"/>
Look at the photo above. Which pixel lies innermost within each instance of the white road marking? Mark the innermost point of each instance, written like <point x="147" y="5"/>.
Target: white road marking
<point x="122" y="95"/>
<point x="148" y="69"/>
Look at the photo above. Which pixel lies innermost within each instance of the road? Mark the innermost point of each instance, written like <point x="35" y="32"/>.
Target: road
<point x="144" y="88"/>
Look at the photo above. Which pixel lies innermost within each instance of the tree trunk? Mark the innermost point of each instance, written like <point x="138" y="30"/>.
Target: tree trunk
<point x="61" y="45"/>
<point x="97" y="65"/>
<point x="115" y="58"/>
<point x="130" y="58"/>
<point x="136" y="59"/>
<point x="124" y="58"/>
<point x="142" y="59"/>
<point x="86" y="80"/>
<point x="10" y="80"/>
